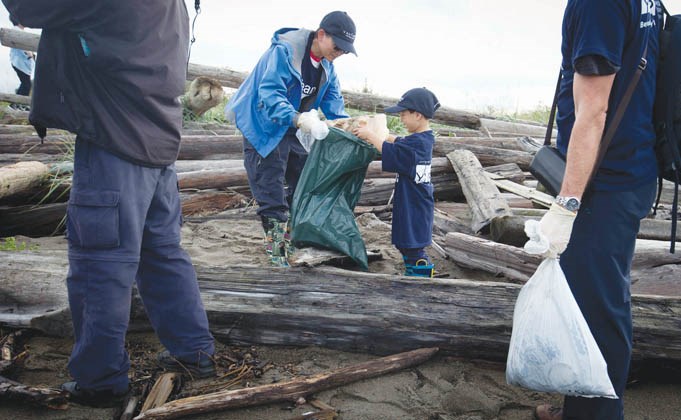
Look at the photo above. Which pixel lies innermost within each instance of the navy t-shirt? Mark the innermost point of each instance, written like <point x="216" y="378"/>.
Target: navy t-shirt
<point x="413" y="203"/>
<point x="618" y="31"/>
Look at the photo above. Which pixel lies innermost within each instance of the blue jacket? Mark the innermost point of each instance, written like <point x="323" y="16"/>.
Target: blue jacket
<point x="267" y="101"/>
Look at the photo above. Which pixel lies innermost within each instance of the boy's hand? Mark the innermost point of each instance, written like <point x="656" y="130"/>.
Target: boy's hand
<point x="363" y="132"/>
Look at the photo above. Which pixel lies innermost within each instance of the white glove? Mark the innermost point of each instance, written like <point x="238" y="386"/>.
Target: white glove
<point x="556" y="226"/>
<point x="309" y="122"/>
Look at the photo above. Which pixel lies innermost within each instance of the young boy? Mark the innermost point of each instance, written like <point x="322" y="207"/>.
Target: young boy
<point x="410" y="157"/>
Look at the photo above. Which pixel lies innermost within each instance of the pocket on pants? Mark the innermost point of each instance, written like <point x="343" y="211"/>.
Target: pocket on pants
<point x="93" y="219"/>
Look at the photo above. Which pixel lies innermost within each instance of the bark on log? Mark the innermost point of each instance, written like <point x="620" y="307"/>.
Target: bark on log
<point x="510" y="230"/>
<point x="489" y="156"/>
<point x="482" y="196"/>
<point x="32" y="220"/>
<point x="13" y="116"/>
<point x="46" y="397"/>
<point x="53" y="145"/>
<point x="289" y="390"/>
<point x="15" y="99"/>
<point x="18" y="178"/>
<point x="445" y="145"/>
<point x="517" y="265"/>
<point x="346" y="310"/>
<point x="520" y="129"/>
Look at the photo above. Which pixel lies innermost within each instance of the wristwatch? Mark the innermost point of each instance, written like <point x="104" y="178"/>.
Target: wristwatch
<point x="569" y="203"/>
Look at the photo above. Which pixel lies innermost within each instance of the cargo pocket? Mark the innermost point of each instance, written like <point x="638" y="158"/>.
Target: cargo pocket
<point x="93" y="219"/>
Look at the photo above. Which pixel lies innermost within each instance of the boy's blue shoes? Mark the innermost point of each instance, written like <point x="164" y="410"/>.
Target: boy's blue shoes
<point x="421" y="268"/>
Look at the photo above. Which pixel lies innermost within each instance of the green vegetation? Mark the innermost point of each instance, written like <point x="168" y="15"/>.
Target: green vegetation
<point x="540" y="114"/>
<point x="11" y="244"/>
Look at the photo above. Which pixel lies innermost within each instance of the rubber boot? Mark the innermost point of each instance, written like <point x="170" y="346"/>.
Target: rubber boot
<point x="275" y="244"/>
<point x="421" y="268"/>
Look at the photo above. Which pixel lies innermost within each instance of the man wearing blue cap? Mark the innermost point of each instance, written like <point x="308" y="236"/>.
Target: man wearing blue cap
<point x="293" y="79"/>
<point x="410" y="157"/>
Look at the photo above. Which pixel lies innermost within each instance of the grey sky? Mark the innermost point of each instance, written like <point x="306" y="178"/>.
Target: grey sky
<point x="473" y="54"/>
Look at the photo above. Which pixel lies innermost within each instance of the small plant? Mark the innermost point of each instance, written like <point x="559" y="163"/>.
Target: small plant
<point x="11" y="244"/>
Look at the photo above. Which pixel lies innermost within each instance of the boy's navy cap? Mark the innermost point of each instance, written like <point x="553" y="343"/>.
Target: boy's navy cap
<point x="341" y="28"/>
<point x="418" y="99"/>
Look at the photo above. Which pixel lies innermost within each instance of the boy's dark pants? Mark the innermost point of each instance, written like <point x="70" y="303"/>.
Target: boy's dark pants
<point x="597" y="263"/>
<point x="124" y="226"/>
<point x="267" y="175"/>
<point x="25" y="80"/>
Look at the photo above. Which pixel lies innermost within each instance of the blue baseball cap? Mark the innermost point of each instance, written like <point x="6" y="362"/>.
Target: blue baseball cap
<point x="341" y="28"/>
<point x="418" y="99"/>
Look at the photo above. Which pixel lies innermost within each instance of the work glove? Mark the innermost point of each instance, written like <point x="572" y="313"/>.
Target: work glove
<point x="556" y="226"/>
<point x="309" y="123"/>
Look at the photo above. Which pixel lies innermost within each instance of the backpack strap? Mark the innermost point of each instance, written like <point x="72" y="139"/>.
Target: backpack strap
<point x="616" y="119"/>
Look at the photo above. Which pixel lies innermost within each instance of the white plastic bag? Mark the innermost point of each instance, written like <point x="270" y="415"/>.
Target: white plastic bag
<point x="311" y="129"/>
<point x="552" y="348"/>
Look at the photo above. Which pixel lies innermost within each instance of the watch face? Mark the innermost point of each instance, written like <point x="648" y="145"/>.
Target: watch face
<point x="572" y="204"/>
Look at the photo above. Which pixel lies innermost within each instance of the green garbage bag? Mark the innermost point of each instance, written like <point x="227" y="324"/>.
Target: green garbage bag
<point x="326" y="195"/>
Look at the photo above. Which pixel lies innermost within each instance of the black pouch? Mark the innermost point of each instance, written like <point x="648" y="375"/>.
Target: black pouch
<point x="548" y="167"/>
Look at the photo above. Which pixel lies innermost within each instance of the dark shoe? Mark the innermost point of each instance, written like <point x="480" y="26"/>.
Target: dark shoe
<point x="205" y="368"/>
<point x="548" y="412"/>
<point x="92" y="398"/>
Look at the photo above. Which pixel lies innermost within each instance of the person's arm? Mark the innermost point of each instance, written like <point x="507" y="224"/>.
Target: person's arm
<point x="591" y="94"/>
<point x="272" y="90"/>
<point x="371" y="137"/>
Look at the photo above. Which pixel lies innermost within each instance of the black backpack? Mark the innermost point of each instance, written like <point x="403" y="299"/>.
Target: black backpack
<point x="667" y="113"/>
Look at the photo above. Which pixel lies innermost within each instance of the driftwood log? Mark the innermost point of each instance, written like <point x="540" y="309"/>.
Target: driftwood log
<point x="510" y="230"/>
<point x="482" y="196"/>
<point x="341" y="309"/>
<point x="46" y="397"/>
<point x="15" y="99"/>
<point x="498" y="126"/>
<point x="289" y="390"/>
<point x="18" y="178"/>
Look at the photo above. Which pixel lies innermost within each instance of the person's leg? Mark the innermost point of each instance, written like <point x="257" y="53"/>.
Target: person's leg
<point x="597" y="263"/>
<point x="105" y="217"/>
<point x="167" y="281"/>
<point x="25" y="82"/>
<point x="297" y="156"/>
<point x="266" y="177"/>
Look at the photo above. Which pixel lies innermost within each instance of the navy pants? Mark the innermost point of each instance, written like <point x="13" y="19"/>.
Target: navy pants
<point x="273" y="179"/>
<point x="596" y="264"/>
<point x="123" y="225"/>
<point x="24" y="88"/>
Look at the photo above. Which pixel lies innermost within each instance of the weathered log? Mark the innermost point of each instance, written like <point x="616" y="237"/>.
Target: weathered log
<point x="521" y="129"/>
<point x="213" y="178"/>
<point x="289" y="390"/>
<point x="48" y="219"/>
<point x="207" y="202"/>
<point x="9" y="115"/>
<point x="53" y="145"/>
<point x="46" y="397"/>
<point x="160" y="392"/>
<point x="203" y="94"/>
<point x="530" y="193"/>
<point x="15" y="99"/>
<point x="510" y="230"/>
<point x="489" y="156"/>
<point x="517" y="265"/>
<point x="445" y="145"/>
<point x="18" y="178"/>
<point x="482" y="196"/>
<point x="341" y="309"/>
<point x="32" y="220"/>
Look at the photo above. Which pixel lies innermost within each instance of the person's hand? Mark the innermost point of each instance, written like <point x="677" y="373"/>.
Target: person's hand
<point x="556" y="225"/>
<point x="363" y="132"/>
<point x="309" y="122"/>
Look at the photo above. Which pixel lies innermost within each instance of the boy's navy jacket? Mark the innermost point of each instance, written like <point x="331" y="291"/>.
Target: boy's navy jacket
<point x="264" y="106"/>
<point x="414" y="204"/>
<point x="107" y="75"/>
